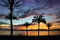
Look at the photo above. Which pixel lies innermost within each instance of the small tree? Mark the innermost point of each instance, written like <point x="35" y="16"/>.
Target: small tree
<point x="26" y="24"/>
<point x="49" y="25"/>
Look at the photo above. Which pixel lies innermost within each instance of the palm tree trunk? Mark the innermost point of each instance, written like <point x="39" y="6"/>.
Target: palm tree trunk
<point x="27" y="30"/>
<point x="38" y="28"/>
<point x="11" y="24"/>
<point x="48" y="31"/>
<point x="11" y="27"/>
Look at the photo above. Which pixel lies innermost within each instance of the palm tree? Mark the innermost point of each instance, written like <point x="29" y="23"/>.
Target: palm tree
<point x="26" y="24"/>
<point x="13" y="17"/>
<point x="39" y="19"/>
<point x="49" y="25"/>
<point x="11" y="5"/>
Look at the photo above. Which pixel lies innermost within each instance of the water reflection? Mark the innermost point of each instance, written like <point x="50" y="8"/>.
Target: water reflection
<point x="35" y="33"/>
<point x="5" y="32"/>
<point x="30" y="33"/>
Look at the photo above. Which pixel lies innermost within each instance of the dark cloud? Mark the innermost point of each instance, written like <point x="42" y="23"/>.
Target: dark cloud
<point x="45" y="4"/>
<point x="58" y="15"/>
<point x="2" y="23"/>
<point x="49" y="3"/>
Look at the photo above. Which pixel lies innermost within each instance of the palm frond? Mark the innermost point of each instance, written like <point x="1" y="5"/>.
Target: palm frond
<point x="3" y="5"/>
<point x="6" y="4"/>
<point x="17" y="6"/>
<point x="9" y="1"/>
<point x="16" y="3"/>
<point x="35" y="17"/>
<point x="12" y="2"/>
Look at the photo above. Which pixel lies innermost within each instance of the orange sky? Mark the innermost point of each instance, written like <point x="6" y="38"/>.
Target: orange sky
<point x="42" y="26"/>
<point x="34" y="26"/>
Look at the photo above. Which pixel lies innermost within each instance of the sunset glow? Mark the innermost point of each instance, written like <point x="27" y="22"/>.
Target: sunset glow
<point x="30" y="17"/>
<point x="42" y="26"/>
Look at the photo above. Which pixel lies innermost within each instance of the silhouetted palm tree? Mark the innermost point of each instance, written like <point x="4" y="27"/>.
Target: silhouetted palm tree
<point x="26" y="24"/>
<point x="11" y="5"/>
<point x="39" y="19"/>
<point x="13" y="17"/>
<point x="49" y="25"/>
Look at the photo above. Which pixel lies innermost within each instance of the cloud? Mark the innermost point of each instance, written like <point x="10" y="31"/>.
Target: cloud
<point x="57" y="21"/>
<point x="49" y="3"/>
<point x="57" y="15"/>
<point x="41" y="6"/>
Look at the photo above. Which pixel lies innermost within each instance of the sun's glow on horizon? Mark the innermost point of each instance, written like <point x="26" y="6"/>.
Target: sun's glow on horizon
<point x="35" y="27"/>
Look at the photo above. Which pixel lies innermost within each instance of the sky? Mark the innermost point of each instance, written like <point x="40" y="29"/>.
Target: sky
<point x="24" y="20"/>
<point x="51" y="8"/>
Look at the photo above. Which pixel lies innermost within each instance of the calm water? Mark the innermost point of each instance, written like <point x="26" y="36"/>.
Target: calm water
<point x="30" y="33"/>
<point x="5" y="32"/>
<point x="35" y="33"/>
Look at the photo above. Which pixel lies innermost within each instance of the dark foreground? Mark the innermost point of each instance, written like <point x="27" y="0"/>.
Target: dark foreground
<point x="30" y="38"/>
